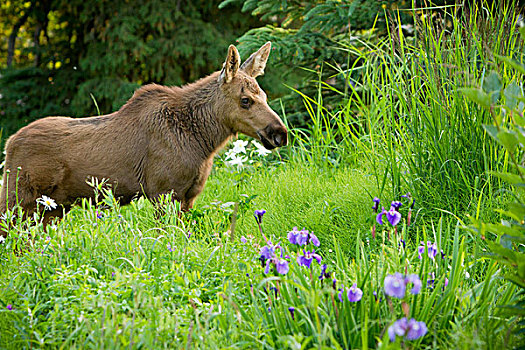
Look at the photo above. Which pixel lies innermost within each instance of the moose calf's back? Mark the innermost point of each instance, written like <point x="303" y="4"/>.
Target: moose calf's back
<point x="162" y="140"/>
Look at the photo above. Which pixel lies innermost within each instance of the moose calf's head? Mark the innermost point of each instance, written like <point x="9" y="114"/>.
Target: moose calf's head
<point x="245" y="101"/>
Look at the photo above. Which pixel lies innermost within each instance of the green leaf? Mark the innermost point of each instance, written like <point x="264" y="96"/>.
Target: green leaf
<point x="502" y="251"/>
<point x="514" y="231"/>
<point x="518" y="209"/>
<point x="508" y="139"/>
<point x="512" y="179"/>
<point x="516" y="279"/>
<point x="492" y="85"/>
<point x="476" y="95"/>
<point x="511" y="92"/>
<point x="491" y="130"/>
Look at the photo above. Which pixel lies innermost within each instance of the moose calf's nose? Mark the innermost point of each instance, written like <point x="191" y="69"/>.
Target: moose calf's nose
<point x="280" y="137"/>
<point x="277" y="140"/>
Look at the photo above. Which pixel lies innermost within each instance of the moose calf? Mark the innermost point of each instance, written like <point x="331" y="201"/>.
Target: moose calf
<point x="162" y="140"/>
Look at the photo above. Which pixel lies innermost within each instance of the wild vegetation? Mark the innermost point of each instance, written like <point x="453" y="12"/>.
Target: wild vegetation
<point x="392" y="220"/>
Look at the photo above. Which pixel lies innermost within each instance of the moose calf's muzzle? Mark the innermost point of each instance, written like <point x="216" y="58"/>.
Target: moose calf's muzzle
<point x="274" y="135"/>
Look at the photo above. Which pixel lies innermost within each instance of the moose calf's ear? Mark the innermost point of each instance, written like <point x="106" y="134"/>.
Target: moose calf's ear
<point x="255" y="64"/>
<point x="231" y="66"/>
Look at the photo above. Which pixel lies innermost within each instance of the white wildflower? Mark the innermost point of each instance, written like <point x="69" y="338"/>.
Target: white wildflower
<point x="261" y="151"/>
<point x="239" y="146"/>
<point x="2" y="239"/>
<point x="237" y="161"/>
<point x="47" y="202"/>
<point x="230" y="154"/>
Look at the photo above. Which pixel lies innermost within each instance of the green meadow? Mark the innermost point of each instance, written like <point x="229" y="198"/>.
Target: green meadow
<point x="393" y="219"/>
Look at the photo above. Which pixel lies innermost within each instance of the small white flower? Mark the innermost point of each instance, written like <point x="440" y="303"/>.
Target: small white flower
<point x="47" y="202"/>
<point x="261" y="151"/>
<point x="230" y="154"/>
<point x="239" y="146"/>
<point x="2" y="239"/>
<point x="237" y="161"/>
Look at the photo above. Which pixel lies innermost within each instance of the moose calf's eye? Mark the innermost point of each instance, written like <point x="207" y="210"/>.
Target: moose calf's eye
<point x="245" y="102"/>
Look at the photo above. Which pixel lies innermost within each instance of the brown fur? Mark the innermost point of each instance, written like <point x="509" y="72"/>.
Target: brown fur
<point x="162" y="140"/>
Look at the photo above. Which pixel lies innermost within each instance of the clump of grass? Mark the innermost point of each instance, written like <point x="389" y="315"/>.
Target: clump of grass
<point x="330" y="202"/>
<point x="405" y="115"/>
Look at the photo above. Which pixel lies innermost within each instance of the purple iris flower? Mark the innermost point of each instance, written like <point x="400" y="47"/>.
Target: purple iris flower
<point x="416" y="283"/>
<point x="259" y="215"/>
<point x="9" y="307"/>
<point x="267" y="268"/>
<point x="314" y="240"/>
<point x="282" y="266"/>
<point x="411" y="330"/>
<point x="396" y="205"/>
<point x="340" y="294"/>
<point x="432" y="250"/>
<point x="393" y="216"/>
<point x="379" y="217"/>
<point x="268" y="257"/>
<point x="416" y="329"/>
<point x="376" y="204"/>
<point x="302" y="237"/>
<point x="395" y="285"/>
<point x="292" y="235"/>
<point x="354" y="294"/>
<point x="307" y="258"/>
<point x="323" y="274"/>
<point x="292" y="312"/>
<point x="243" y="239"/>
<point x="268" y="251"/>
<point x="420" y="251"/>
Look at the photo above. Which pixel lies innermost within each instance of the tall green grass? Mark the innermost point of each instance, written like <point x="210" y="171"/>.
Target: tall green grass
<point x="404" y="114"/>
